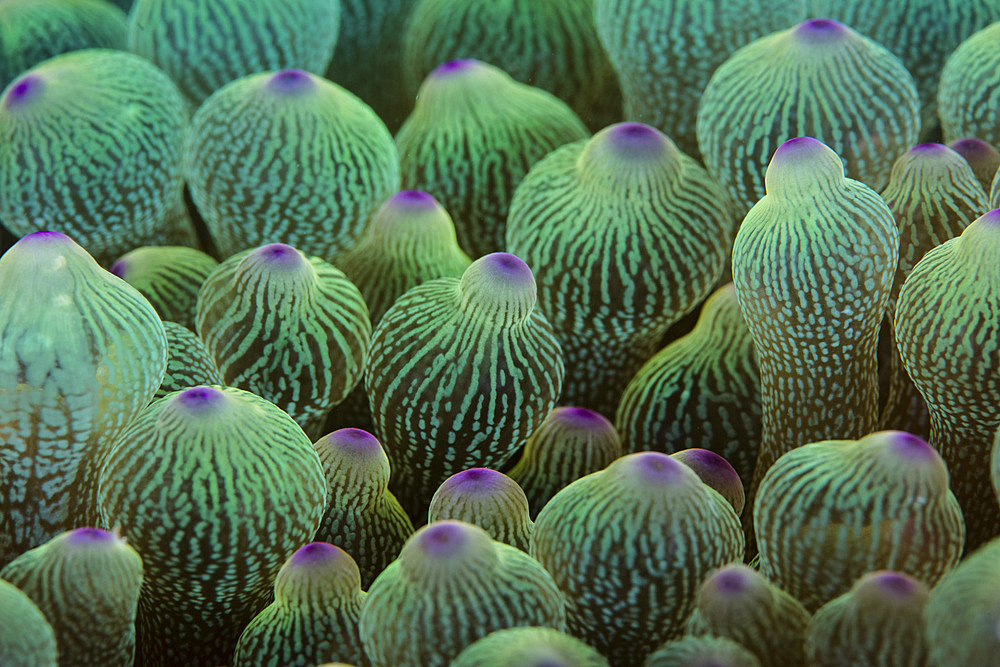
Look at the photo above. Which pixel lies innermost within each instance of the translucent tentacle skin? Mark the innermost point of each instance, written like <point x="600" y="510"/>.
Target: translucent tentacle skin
<point x="81" y="353"/>
<point x="168" y="276"/>
<point x="666" y="50"/>
<point x="947" y="328"/>
<point x="189" y="363"/>
<point x="91" y="148"/>
<point x="35" y="30"/>
<point x="739" y="603"/>
<point x="570" y="443"/>
<point x="653" y="530"/>
<point x="828" y="512"/>
<point x="289" y="327"/>
<point x="26" y="638"/>
<point x="205" y="44"/>
<point x="460" y="372"/>
<point x="488" y="499"/>
<point x="934" y="195"/>
<point x="86" y="581"/>
<point x="362" y="516"/>
<point x="528" y="647"/>
<point x="552" y="45"/>
<point x="314" y="616"/>
<point x="702" y="390"/>
<point x="819" y="78"/>
<point x="410" y="240"/>
<point x="625" y="234"/>
<point x="963" y="612"/>
<point x="368" y="59"/>
<point x="922" y="33"/>
<point x="813" y="264"/>
<point x="450" y="586"/>
<point x="968" y="88"/>
<point x="716" y="472"/>
<point x="981" y="156"/>
<point x="472" y="137"/>
<point x="288" y="156"/>
<point x="995" y="465"/>
<point x="879" y="622"/>
<point x="706" y="651"/>
<point x="214" y="486"/>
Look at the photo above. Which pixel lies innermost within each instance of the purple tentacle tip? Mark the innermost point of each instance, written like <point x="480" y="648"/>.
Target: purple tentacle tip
<point x="354" y="439"/>
<point x="476" y="480"/>
<point x="442" y="539"/>
<point x="22" y="91"/>
<point x="315" y="553"/>
<point x="119" y="268"/>
<point x="279" y="254"/>
<point x="820" y="30"/>
<point x="291" y="82"/>
<point x="991" y="218"/>
<point x="454" y="66"/>
<point x="508" y="266"/>
<point x="414" y="199"/>
<point x="657" y="467"/>
<point x="912" y="447"/>
<point x="893" y="583"/>
<point x="580" y="417"/>
<point x="90" y="536"/>
<point x="199" y="398"/>
<point x="731" y="581"/>
<point x="929" y="148"/>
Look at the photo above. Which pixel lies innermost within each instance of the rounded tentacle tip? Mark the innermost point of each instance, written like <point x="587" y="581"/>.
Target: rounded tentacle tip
<point x="895" y="584"/>
<point x="799" y="162"/>
<point x="636" y="140"/>
<point x="199" y="399"/>
<point x="729" y="581"/>
<point x="716" y="472"/>
<point x="971" y="146"/>
<point x="412" y="200"/>
<point x="91" y="536"/>
<point x="929" y="148"/>
<point x="655" y="468"/>
<point x="907" y="446"/>
<point x="291" y="82"/>
<point x="819" y="31"/>
<point x="579" y="418"/>
<point x="278" y="256"/>
<point x="352" y="439"/>
<point x="317" y="554"/>
<point x="477" y="481"/>
<point x="23" y="91"/>
<point x="457" y="66"/>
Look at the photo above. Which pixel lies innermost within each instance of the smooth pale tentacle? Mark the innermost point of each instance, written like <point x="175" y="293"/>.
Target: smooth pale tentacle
<point x="819" y="78"/>
<point x="451" y="585"/>
<point x="571" y="443"/>
<point x="460" y="372"/>
<point x="86" y="581"/>
<point x="314" y="616"/>
<point x="81" y="353"/>
<point x="92" y="147"/>
<point x="205" y="44"/>
<point x="626" y="234"/>
<point x="666" y="50"/>
<point x="947" y="328"/>
<point x="653" y="530"/>
<point x="288" y="156"/>
<point x="214" y="487"/>
<point x="488" y="499"/>
<point x="739" y="603"/>
<point x="702" y="390"/>
<point x="362" y="516"/>
<point x="879" y="622"/>
<point x="473" y="135"/>
<point x="828" y="512"/>
<point x="813" y="264"/>
<point x="26" y="638"/>
<point x="705" y="651"/>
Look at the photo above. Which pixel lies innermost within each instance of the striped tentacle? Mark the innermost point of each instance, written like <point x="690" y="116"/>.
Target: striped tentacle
<point x="488" y="499"/>
<point x="472" y="137"/>
<point x="91" y="147"/>
<point x="26" y="638"/>
<point x="314" y="616"/>
<point x="739" y="603"/>
<point x="819" y="78"/>
<point x="625" y="234"/>
<point x="168" y="276"/>
<point x="968" y="89"/>
<point x="450" y="586"/>
<point x="828" y="512"/>
<point x="81" y="353"/>
<point x="629" y="546"/>
<point x="934" y="195"/>
<point x="570" y="443"/>
<point x="459" y="374"/>
<point x="665" y="51"/>
<point x="813" y="265"/>
<point x="981" y="156"/>
<point x="552" y="45"/>
<point x="717" y="473"/>
<point x="528" y="647"/>
<point x="702" y="390"/>
<point x="703" y="651"/>
<point x="205" y="44"/>
<point x="86" y="581"/>
<point x="947" y="331"/>
<point x="214" y="487"/>
<point x="362" y="517"/>
<point x="189" y="363"/>
<point x="291" y="328"/>
<point x="879" y="622"/>
<point x="288" y="156"/>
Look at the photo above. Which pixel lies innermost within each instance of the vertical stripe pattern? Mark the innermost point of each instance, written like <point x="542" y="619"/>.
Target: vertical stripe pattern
<point x="968" y="90"/>
<point x="528" y="646"/>
<point x="488" y="499"/>
<point x="26" y="638"/>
